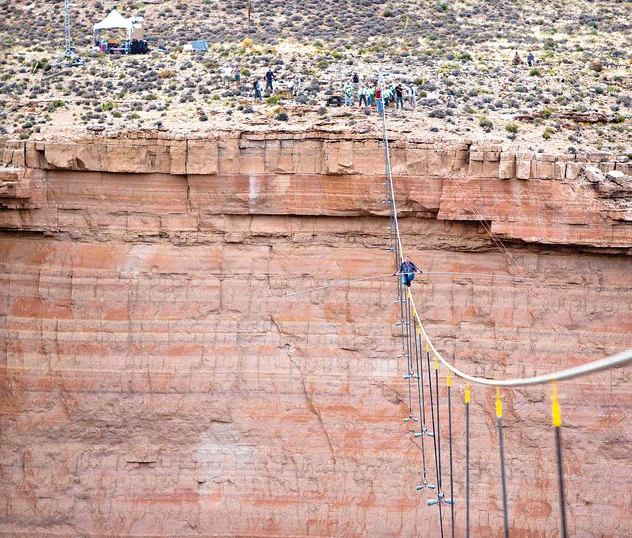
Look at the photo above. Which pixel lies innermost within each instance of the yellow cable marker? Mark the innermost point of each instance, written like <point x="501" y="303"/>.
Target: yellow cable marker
<point x="418" y="329"/>
<point x="499" y="405"/>
<point x="436" y="363"/>
<point x="555" y="406"/>
<point x="467" y="393"/>
<point x="448" y="378"/>
<point x="427" y="348"/>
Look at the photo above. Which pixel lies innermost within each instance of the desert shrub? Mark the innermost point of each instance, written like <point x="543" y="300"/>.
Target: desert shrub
<point x="550" y="44"/>
<point x="107" y="106"/>
<point x="511" y="127"/>
<point x="596" y="66"/>
<point x="41" y="64"/>
<point x="546" y="113"/>
<point x="548" y="132"/>
<point x="535" y="72"/>
<point x="167" y="73"/>
<point x="485" y="123"/>
<point x="273" y="99"/>
<point x="387" y="13"/>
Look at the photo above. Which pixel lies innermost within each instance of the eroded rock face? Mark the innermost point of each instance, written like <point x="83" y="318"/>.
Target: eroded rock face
<point x="156" y="381"/>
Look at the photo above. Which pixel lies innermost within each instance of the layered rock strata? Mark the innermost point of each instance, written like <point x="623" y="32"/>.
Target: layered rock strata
<point x="156" y="381"/>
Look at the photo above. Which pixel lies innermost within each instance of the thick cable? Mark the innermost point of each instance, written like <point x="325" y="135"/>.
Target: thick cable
<point x="438" y="438"/>
<point x="451" y="469"/>
<point x="501" y="448"/>
<point x="467" y="460"/>
<point x="557" y="425"/>
<point x="620" y="359"/>
<point x="389" y="176"/>
<point x="420" y="401"/>
<point x="434" y="439"/>
<point x="408" y="351"/>
<point x="438" y="428"/>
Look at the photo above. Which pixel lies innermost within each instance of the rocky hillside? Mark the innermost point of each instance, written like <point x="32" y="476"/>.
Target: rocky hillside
<point x="577" y="95"/>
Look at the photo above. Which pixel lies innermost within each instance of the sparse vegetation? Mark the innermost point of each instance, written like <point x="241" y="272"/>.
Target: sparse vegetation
<point x="467" y="78"/>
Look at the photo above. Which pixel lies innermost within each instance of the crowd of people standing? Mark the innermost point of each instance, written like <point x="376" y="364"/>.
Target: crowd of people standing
<point x="368" y="93"/>
<point x="398" y="94"/>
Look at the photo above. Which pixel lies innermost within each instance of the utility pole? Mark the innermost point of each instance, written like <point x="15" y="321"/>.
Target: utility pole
<point x="68" y="57"/>
<point x="249" y="12"/>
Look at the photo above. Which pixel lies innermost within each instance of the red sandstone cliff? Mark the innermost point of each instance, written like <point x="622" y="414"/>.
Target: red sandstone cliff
<point x="155" y="381"/>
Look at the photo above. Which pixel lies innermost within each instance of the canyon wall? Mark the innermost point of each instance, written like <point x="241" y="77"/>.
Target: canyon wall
<point x="157" y="382"/>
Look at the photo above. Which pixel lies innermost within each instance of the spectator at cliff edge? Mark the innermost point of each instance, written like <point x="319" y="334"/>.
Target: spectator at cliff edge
<point x="378" y="100"/>
<point x="257" y="87"/>
<point x="269" y="79"/>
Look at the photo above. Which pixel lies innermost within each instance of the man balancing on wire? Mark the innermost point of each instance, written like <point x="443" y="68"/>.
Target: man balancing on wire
<point x="408" y="270"/>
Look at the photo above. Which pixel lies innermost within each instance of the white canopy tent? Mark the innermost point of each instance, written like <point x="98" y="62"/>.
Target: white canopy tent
<point x="114" y="19"/>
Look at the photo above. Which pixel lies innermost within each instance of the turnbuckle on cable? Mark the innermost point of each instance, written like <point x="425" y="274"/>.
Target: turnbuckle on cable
<point x="440" y="499"/>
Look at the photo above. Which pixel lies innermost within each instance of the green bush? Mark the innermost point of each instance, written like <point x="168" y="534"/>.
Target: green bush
<point x="40" y="64"/>
<point x="485" y="123"/>
<point x="387" y="13"/>
<point x="511" y="127"/>
<point x="547" y="133"/>
<point x="535" y="72"/>
<point x="546" y="113"/>
<point x="550" y="44"/>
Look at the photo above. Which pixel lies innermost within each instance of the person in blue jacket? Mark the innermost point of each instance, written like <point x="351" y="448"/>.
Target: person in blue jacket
<point x="408" y="270"/>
